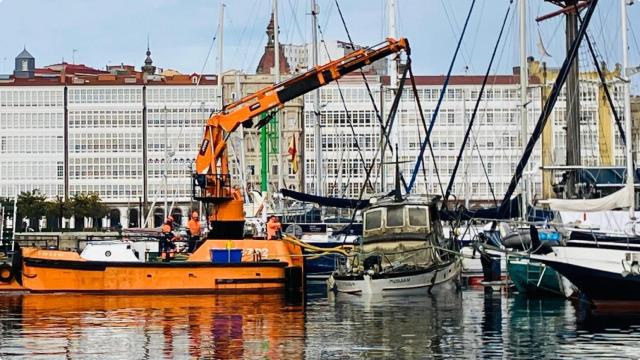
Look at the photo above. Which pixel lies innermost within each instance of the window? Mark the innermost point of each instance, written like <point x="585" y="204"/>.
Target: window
<point x="418" y="216"/>
<point x="395" y="216"/>
<point x="25" y="65"/>
<point x="373" y="220"/>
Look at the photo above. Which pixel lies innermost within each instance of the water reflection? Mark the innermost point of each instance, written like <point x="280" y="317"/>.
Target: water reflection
<point x="81" y="326"/>
<point x="451" y="323"/>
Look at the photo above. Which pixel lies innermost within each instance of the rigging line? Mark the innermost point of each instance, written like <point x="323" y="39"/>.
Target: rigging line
<point x="259" y="37"/>
<point x="366" y="83"/>
<point x="249" y="39"/>
<point x="394" y="106"/>
<point x="548" y="107"/>
<point x="204" y="65"/>
<point x="633" y="35"/>
<point x="442" y="93"/>
<point x="484" y="167"/>
<point x="604" y="84"/>
<point x="475" y="111"/>
<point x="344" y="105"/>
<point x="424" y="125"/>
<point x="454" y="25"/>
<point x="418" y="108"/>
<point x="294" y="8"/>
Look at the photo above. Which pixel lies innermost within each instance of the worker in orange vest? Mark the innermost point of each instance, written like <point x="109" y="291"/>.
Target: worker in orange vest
<point x="274" y="227"/>
<point x="167" y="246"/>
<point x="195" y="231"/>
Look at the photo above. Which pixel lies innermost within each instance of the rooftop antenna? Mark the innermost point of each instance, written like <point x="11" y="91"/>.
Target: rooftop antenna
<point x="73" y="56"/>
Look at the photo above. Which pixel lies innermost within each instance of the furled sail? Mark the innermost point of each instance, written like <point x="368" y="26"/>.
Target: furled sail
<point x="619" y="199"/>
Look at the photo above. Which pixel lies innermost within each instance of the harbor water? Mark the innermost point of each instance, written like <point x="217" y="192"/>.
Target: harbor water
<point x="469" y="323"/>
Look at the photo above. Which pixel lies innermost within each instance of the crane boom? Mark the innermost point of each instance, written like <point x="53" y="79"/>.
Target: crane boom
<point x="212" y="166"/>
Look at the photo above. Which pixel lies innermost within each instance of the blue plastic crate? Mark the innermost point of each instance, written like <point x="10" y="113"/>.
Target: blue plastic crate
<point x="226" y="256"/>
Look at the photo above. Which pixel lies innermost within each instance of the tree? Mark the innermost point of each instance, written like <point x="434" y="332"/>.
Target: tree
<point x="58" y="209"/>
<point x="31" y="204"/>
<point x="89" y="206"/>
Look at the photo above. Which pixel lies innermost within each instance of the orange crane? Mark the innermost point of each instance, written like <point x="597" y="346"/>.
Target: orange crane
<point x="212" y="182"/>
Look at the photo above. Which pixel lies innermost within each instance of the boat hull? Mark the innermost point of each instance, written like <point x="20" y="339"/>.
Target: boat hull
<point x="597" y="272"/>
<point x="401" y="282"/>
<point x="65" y="271"/>
<point x="534" y="278"/>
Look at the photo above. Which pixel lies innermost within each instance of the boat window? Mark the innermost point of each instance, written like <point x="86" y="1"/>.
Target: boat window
<point x="395" y="216"/>
<point x="418" y="216"/>
<point x="373" y="220"/>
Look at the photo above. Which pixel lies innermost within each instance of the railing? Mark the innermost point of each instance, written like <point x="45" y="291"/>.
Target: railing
<point x="42" y="241"/>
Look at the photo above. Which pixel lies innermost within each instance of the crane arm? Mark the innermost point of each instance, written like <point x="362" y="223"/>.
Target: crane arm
<point x="211" y="158"/>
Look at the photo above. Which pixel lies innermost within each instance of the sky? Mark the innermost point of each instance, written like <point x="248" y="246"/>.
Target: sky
<point x="181" y="32"/>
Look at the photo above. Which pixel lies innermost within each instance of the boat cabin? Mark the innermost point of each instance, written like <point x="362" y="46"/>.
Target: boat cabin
<point x="409" y="219"/>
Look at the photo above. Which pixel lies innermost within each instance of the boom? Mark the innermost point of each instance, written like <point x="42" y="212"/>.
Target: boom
<point x="212" y="166"/>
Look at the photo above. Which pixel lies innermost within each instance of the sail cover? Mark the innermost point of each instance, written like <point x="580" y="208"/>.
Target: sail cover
<point x="619" y="199"/>
<point x="325" y="201"/>
<point x="512" y="210"/>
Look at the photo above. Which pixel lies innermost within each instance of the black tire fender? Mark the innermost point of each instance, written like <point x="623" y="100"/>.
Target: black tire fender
<point x="6" y="273"/>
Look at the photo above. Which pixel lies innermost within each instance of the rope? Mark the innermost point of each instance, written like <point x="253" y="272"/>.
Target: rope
<point x="346" y="110"/>
<point x="475" y="113"/>
<point x="335" y="250"/>
<point x="364" y="78"/>
<point x="424" y="125"/>
<point x="437" y="109"/>
<point x="604" y="84"/>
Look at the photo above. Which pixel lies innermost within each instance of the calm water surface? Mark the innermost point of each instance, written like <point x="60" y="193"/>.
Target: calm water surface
<point x="454" y="324"/>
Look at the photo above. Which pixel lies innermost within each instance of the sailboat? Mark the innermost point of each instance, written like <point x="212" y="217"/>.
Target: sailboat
<point x="605" y="266"/>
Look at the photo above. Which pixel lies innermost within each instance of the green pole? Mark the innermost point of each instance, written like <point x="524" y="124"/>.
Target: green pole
<point x="268" y="146"/>
<point x="264" y="157"/>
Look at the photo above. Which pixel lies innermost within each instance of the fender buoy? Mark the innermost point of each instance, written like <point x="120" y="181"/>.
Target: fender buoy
<point x="6" y="273"/>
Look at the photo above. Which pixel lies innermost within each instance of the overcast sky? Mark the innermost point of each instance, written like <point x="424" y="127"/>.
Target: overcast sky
<point x="181" y="31"/>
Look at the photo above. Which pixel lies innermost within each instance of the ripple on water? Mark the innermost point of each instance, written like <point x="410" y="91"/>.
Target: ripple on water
<point x="455" y="324"/>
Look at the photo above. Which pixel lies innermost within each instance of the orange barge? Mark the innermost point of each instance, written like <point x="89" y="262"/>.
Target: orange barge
<point x="279" y="268"/>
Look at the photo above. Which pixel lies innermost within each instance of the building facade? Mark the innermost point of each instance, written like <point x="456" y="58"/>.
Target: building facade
<point x="68" y="129"/>
<point x="131" y="136"/>
<point x="494" y="148"/>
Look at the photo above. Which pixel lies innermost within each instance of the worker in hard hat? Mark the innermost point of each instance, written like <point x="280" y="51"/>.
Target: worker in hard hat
<point x="194" y="230"/>
<point x="274" y="228"/>
<point x="167" y="245"/>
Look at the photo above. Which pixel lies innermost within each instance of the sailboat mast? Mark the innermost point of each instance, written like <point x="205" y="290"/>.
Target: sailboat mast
<point x="220" y="53"/>
<point x="392" y="70"/>
<point x="316" y="98"/>
<point x="523" y="96"/>
<point x="627" y="108"/>
<point x="166" y="163"/>
<point x="276" y="31"/>
<point x="572" y="100"/>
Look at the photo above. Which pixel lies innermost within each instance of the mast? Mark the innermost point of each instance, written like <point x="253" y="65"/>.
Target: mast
<point x="391" y="32"/>
<point x="572" y="100"/>
<point x="220" y="53"/>
<point x="523" y="97"/>
<point x="166" y="164"/>
<point x="276" y="31"/>
<point x="627" y="108"/>
<point x="465" y="121"/>
<point x="316" y="97"/>
<point x="392" y="69"/>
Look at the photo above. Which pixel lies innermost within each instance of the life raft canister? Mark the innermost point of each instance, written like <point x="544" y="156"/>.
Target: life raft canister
<point x="6" y="273"/>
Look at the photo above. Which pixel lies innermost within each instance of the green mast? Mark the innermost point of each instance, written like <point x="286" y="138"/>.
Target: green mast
<point x="268" y="146"/>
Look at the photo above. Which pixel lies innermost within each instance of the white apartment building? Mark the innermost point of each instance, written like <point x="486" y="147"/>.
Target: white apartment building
<point x="69" y="129"/>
